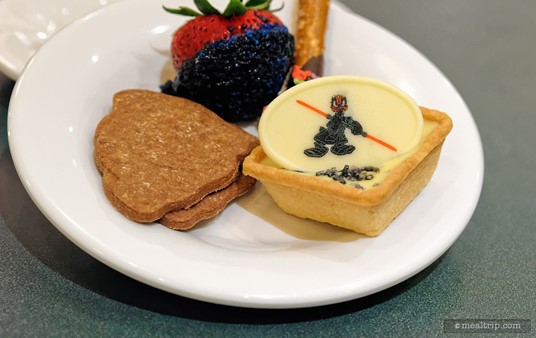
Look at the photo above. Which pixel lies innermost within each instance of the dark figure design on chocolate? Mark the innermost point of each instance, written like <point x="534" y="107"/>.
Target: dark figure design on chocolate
<point x="333" y="133"/>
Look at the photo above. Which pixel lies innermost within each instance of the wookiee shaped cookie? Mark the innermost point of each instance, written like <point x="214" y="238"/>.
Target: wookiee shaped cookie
<point x="158" y="153"/>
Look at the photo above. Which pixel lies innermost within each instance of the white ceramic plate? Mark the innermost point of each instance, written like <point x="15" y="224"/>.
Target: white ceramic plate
<point x="252" y="254"/>
<point x="26" y="24"/>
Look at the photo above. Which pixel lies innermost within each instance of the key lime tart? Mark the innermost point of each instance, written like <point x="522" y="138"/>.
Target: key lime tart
<point x="347" y="150"/>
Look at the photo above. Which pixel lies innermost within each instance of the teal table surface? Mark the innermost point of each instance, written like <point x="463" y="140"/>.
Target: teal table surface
<point x="49" y="287"/>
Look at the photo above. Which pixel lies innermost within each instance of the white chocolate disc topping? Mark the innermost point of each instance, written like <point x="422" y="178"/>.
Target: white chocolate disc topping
<point x="335" y="121"/>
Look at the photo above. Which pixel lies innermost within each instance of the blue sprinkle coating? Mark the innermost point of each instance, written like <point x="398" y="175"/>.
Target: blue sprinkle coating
<point x="237" y="77"/>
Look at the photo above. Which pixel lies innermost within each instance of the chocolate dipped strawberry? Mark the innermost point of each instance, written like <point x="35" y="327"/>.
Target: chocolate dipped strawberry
<point x="233" y="62"/>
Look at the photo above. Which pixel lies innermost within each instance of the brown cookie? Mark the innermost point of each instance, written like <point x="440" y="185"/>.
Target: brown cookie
<point x="158" y="153"/>
<point x="209" y="206"/>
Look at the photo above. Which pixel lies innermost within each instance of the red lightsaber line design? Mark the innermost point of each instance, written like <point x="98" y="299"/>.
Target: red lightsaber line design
<point x="370" y="137"/>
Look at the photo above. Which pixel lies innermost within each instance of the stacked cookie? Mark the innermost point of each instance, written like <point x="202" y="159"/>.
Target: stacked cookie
<point x="168" y="159"/>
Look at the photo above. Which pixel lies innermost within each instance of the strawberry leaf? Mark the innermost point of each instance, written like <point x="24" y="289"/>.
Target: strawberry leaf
<point x="263" y="5"/>
<point x="235" y="7"/>
<point x="182" y="11"/>
<point x="258" y="4"/>
<point x="205" y="7"/>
